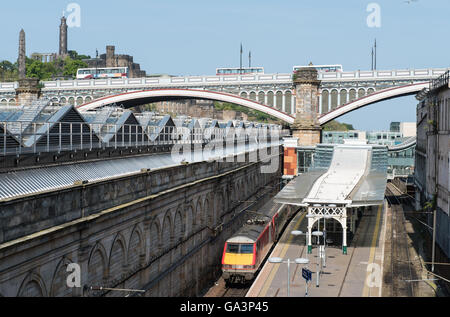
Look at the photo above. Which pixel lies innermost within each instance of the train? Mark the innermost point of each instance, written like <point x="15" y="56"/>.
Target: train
<point x="246" y="250"/>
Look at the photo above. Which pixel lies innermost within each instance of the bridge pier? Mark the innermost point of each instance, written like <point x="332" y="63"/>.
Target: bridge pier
<point x="306" y="126"/>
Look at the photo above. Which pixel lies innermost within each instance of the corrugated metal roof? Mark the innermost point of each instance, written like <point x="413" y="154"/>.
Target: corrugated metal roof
<point x="35" y="180"/>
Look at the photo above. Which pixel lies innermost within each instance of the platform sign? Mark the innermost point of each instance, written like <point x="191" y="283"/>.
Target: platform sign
<point x="307" y="274"/>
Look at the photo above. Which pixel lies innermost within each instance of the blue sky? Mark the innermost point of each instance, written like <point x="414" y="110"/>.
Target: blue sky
<point x="195" y="37"/>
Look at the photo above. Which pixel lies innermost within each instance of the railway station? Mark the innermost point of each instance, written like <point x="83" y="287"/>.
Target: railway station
<point x="343" y="190"/>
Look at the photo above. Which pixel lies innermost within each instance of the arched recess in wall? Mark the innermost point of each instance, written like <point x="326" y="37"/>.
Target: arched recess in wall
<point x="179" y="225"/>
<point x="135" y="249"/>
<point x="288" y="96"/>
<point x="208" y="211"/>
<point x="325" y="101"/>
<point x="334" y="99"/>
<point x="117" y="259"/>
<point x="361" y="93"/>
<point x="244" y="95"/>
<point x="190" y="221"/>
<point x="199" y="215"/>
<point x="252" y="96"/>
<point x="218" y="208"/>
<point x="155" y="240"/>
<point x="59" y="286"/>
<point x="279" y="100"/>
<point x="262" y="97"/>
<point x="97" y="265"/>
<point x="167" y="236"/>
<point x="270" y="99"/>
<point x="32" y="286"/>
<point x="80" y="101"/>
<point x="343" y="97"/>
<point x="352" y="95"/>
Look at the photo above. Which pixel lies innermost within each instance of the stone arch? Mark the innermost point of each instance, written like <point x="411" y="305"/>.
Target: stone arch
<point x="288" y="96"/>
<point x="208" y="209"/>
<point x="3" y="102"/>
<point x="343" y="96"/>
<point x="135" y="248"/>
<point x="155" y="238"/>
<point x="97" y="269"/>
<point x="117" y="258"/>
<point x="63" y="100"/>
<point x="199" y="215"/>
<point x="352" y="95"/>
<point x="361" y="92"/>
<point x="32" y="286"/>
<point x="325" y="101"/>
<point x="88" y="99"/>
<point x="370" y="91"/>
<point x="244" y="95"/>
<point x="167" y="233"/>
<point x="190" y="220"/>
<point x="262" y="97"/>
<point x="252" y="96"/>
<point x="218" y="208"/>
<point x="59" y="286"/>
<point x="179" y="227"/>
<point x="270" y="98"/>
<point x="334" y="99"/>
<point x="12" y="101"/>
<point x="71" y="101"/>
<point x="279" y="100"/>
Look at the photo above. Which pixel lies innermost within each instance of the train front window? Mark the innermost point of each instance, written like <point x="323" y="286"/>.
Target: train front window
<point x="233" y="248"/>
<point x="247" y="248"/>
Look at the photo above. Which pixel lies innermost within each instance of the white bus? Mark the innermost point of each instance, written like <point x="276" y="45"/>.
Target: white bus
<point x="109" y="72"/>
<point x="239" y="71"/>
<point x="322" y="68"/>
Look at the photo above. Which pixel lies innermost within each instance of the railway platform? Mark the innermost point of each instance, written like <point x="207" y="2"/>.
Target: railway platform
<point x="355" y="274"/>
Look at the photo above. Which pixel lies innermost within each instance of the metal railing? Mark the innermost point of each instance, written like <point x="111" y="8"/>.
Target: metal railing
<point x="442" y="80"/>
<point x="69" y="136"/>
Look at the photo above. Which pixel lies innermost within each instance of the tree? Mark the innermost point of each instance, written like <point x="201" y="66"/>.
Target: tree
<point x="71" y="66"/>
<point x="337" y="126"/>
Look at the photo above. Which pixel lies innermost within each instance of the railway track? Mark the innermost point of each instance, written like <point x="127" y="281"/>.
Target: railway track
<point x="401" y="272"/>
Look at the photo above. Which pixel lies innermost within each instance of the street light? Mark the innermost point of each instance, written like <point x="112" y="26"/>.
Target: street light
<point x="318" y="234"/>
<point x="277" y="260"/>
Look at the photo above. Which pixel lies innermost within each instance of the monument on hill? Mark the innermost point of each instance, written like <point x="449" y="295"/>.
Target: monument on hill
<point x="28" y="90"/>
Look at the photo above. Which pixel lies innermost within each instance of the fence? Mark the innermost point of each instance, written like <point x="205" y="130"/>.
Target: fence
<point x="23" y="137"/>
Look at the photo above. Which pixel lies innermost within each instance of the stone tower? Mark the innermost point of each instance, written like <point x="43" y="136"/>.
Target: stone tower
<point x="110" y="56"/>
<point x="22" y="55"/>
<point x="306" y="125"/>
<point x="28" y="90"/>
<point x="63" y="37"/>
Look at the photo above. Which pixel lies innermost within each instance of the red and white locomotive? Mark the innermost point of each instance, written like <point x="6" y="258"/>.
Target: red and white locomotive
<point x="246" y="250"/>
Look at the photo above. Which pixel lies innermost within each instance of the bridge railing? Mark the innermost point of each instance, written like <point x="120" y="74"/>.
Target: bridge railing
<point x="18" y="138"/>
<point x="441" y="81"/>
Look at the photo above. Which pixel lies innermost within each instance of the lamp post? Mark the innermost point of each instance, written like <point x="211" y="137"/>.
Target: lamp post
<point x="318" y="234"/>
<point x="276" y="260"/>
